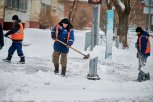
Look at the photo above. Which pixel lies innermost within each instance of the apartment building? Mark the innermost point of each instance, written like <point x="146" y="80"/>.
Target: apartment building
<point x="29" y="11"/>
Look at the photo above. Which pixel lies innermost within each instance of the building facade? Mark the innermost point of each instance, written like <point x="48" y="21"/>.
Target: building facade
<point x="29" y="11"/>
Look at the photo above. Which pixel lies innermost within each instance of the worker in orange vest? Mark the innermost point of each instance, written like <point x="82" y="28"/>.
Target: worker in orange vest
<point x="17" y="36"/>
<point x="62" y="31"/>
<point x="143" y="47"/>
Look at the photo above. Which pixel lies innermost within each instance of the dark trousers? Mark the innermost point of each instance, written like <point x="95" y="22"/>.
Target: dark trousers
<point x="63" y="60"/>
<point x="142" y="60"/>
<point x="16" y="46"/>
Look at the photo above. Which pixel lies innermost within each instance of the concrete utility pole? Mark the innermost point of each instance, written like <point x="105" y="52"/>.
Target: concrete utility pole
<point x="109" y="33"/>
<point x="94" y="41"/>
<point x="95" y="26"/>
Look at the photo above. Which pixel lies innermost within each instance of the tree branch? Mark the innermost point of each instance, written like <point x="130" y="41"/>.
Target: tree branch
<point x="118" y="7"/>
<point x="72" y="10"/>
<point x="127" y="6"/>
<point x="109" y="4"/>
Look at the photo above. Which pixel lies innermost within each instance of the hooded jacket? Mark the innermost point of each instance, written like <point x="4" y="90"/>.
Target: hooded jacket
<point x="143" y="43"/>
<point x="62" y="36"/>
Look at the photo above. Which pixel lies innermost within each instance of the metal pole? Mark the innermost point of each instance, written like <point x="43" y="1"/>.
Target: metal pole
<point x="109" y="33"/>
<point x="98" y="24"/>
<point x="93" y="32"/>
<point x="94" y="41"/>
<point x="95" y="26"/>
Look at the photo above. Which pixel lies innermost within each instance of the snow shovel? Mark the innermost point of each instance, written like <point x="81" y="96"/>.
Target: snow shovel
<point x="85" y="56"/>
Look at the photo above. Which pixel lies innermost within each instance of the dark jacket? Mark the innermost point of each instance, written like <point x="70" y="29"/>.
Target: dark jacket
<point x="14" y="29"/>
<point x="62" y="36"/>
<point x="1" y="37"/>
<point x="144" y="41"/>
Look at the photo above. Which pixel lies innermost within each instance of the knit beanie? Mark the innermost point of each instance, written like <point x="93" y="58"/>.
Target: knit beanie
<point x="15" y="17"/>
<point x="65" y="20"/>
<point x="138" y="29"/>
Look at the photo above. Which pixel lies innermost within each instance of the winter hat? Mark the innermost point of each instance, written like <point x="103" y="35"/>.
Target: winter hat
<point x="65" y="20"/>
<point x="15" y="17"/>
<point x="138" y="29"/>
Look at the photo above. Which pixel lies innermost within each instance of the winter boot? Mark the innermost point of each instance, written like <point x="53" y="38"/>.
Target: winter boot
<point x="22" y="60"/>
<point x="8" y="59"/>
<point x="147" y="76"/>
<point x="141" y="76"/>
<point x="56" y="69"/>
<point x="63" y="71"/>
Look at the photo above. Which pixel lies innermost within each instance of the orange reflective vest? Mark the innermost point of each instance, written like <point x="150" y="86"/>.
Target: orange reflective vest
<point x="68" y="35"/>
<point x="19" y="35"/>
<point x="148" y="48"/>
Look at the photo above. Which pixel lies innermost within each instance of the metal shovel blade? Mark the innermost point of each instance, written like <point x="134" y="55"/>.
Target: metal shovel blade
<point x="86" y="56"/>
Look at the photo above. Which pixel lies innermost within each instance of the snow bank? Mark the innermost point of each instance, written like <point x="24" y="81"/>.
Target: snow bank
<point x="36" y="81"/>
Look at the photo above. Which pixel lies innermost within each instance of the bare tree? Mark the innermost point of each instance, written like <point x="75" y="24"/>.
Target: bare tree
<point x="109" y="4"/>
<point x="73" y="10"/>
<point x="123" y="14"/>
<point x="123" y="10"/>
<point x="132" y="16"/>
<point x="81" y="18"/>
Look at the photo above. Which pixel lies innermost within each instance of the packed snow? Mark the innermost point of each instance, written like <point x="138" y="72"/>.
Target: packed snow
<point x="35" y="81"/>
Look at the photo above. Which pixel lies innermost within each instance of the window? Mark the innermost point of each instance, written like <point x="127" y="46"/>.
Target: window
<point x="9" y="3"/>
<point x="45" y="9"/>
<point x="48" y="9"/>
<point x="15" y="4"/>
<point x="23" y="5"/>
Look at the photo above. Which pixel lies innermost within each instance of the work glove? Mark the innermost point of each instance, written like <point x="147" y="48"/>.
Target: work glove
<point x="70" y="43"/>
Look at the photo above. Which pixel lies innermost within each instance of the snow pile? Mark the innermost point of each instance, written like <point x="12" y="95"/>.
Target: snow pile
<point x="36" y="82"/>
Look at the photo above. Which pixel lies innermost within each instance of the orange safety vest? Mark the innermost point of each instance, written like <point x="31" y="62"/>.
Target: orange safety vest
<point x="19" y="35"/>
<point x="148" y="48"/>
<point x="68" y="35"/>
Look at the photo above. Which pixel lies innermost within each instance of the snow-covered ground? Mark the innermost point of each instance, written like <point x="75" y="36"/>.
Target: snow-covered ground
<point x="35" y="81"/>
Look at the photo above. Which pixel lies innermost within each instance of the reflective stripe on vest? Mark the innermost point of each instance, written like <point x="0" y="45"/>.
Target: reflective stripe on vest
<point x="19" y="35"/>
<point x="148" y="49"/>
<point x="56" y="33"/>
